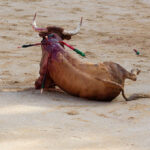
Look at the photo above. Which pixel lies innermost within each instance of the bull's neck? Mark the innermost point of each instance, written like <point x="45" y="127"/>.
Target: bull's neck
<point x="52" y="46"/>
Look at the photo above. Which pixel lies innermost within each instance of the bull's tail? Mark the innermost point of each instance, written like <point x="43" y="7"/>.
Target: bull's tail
<point x="132" y="76"/>
<point x="130" y="98"/>
<point x="135" y="96"/>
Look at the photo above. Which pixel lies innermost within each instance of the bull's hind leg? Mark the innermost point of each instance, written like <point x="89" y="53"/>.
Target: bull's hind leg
<point x="133" y="74"/>
<point x="119" y="74"/>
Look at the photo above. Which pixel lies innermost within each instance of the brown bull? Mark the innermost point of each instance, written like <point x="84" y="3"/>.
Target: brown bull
<point x="102" y="81"/>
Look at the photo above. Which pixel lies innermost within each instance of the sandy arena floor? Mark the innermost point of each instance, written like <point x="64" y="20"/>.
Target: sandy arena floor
<point x="53" y="121"/>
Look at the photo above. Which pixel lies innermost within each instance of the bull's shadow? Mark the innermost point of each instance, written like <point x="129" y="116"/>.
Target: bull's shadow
<point x="30" y="95"/>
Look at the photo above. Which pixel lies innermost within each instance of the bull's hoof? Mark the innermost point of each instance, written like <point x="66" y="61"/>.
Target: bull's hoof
<point x="38" y="84"/>
<point x="135" y="71"/>
<point x="48" y="84"/>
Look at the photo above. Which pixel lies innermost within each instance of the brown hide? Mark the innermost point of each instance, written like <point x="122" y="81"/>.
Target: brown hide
<point x="103" y="81"/>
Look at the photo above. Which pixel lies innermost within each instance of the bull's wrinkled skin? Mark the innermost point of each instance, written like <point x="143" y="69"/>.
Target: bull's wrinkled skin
<point x="103" y="81"/>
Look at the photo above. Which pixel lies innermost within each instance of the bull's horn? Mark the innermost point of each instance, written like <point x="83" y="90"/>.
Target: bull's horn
<point x="74" y="31"/>
<point x="34" y="26"/>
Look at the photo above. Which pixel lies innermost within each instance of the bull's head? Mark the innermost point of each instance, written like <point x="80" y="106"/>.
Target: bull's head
<point x="51" y="35"/>
<point x="62" y="33"/>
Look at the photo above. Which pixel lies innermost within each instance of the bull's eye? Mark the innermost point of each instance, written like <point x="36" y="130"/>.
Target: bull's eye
<point x="50" y="35"/>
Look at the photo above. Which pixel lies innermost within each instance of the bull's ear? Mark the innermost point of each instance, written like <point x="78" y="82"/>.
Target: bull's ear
<point x="66" y="37"/>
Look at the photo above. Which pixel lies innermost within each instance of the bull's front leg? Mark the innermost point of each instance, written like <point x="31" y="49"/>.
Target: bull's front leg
<point x="48" y="83"/>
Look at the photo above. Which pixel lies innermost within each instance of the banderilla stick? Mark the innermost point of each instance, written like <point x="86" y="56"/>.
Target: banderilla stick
<point x="74" y="49"/>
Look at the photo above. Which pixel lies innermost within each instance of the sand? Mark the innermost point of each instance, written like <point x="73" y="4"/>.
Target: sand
<point x="55" y="120"/>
